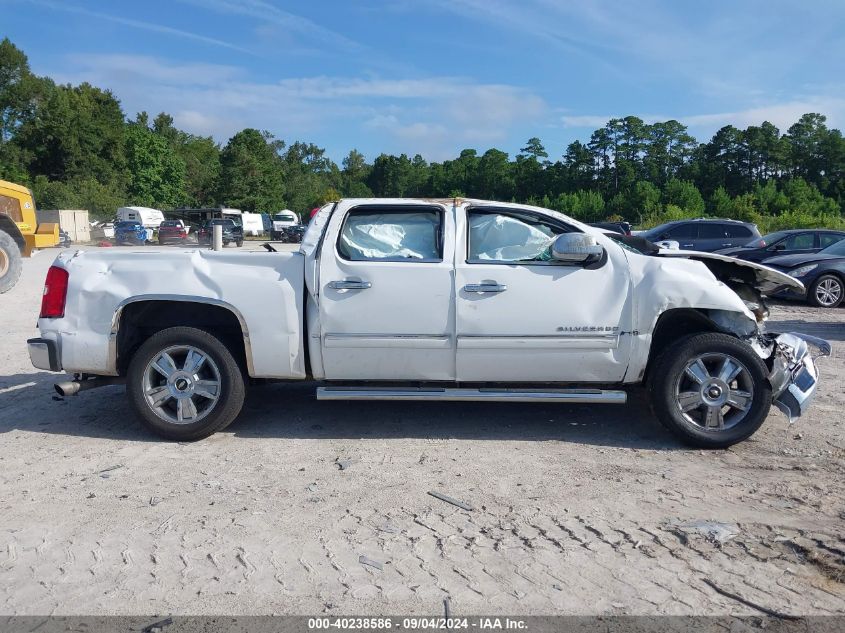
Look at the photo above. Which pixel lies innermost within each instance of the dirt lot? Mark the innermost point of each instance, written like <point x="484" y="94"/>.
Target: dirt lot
<point x="576" y="510"/>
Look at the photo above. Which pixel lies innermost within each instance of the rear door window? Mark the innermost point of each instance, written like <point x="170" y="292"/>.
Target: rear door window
<point x="829" y="239"/>
<point x="392" y="234"/>
<point x="737" y="231"/>
<point x="712" y="231"/>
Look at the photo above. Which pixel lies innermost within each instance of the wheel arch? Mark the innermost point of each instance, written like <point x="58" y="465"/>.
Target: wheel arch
<point x="830" y="272"/>
<point x="673" y="325"/>
<point x="139" y="317"/>
<point x="8" y="226"/>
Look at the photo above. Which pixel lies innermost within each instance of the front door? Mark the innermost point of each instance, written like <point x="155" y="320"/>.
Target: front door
<point x="522" y="316"/>
<point x="386" y="292"/>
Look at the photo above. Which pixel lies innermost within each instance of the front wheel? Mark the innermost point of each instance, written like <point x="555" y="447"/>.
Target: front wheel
<point x="185" y="384"/>
<point x="826" y="292"/>
<point x="711" y="390"/>
<point x="239" y="243"/>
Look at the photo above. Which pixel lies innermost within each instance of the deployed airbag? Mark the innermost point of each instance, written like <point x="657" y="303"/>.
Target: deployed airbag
<point x="391" y="236"/>
<point x="505" y="238"/>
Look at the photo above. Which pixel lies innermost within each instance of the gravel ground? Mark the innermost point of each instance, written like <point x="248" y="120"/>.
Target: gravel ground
<point x="576" y="510"/>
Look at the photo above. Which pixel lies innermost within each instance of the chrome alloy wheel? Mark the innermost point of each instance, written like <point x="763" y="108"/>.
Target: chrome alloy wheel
<point x="181" y="384"/>
<point x="714" y="392"/>
<point x="828" y="292"/>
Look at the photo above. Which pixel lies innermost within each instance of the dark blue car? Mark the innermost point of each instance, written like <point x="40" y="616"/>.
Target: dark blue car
<point x="791" y="242"/>
<point x="822" y="273"/>
<point x="130" y="232"/>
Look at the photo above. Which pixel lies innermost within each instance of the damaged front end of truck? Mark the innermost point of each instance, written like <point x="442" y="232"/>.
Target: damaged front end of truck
<point x="790" y="356"/>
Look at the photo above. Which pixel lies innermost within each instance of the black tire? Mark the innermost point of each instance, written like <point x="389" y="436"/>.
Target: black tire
<point x="832" y="284"/>
<point x="668" y="375"/>
<point x="219" y="414"/>
<point x="11" y="262"/>
<point x="239" y="243"/>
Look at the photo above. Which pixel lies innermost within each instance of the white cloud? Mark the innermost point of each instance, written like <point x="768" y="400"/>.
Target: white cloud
<point x="782" y="115"/>
<point x="269" y="13"/>
<point x="433" y="115"/>
<point x="139" y="24"/>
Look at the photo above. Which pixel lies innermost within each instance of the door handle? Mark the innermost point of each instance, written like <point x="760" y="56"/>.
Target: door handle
<point x="687" y="245"/>
<point x="728" y="244"/>
<point x="349" y="284"/>
<point x="485" y="288"/>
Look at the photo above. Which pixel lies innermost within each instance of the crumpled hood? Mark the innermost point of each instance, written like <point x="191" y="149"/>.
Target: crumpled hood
<point x="767" y="279"/>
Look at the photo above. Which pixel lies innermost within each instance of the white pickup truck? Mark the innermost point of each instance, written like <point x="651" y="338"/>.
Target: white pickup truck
<point x="403" y="299"/>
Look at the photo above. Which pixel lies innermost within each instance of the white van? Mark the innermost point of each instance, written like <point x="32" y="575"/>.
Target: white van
<point x="150" y="218"/>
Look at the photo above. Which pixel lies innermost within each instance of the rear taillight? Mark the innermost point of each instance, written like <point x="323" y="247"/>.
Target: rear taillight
<point x="55" y="293"/>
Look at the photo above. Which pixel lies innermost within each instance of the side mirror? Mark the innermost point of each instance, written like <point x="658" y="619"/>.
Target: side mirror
<point x="576" y="248"/>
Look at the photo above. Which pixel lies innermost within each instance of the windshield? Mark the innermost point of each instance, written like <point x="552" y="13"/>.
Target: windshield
<point x="653" y="233"/>
<point x="835" y="249"/>
<point x="766" y="240"/>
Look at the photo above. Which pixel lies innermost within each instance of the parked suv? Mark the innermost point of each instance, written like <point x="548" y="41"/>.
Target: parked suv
<point x="792" y="242"/>
<point x="703" y="235"/>
<point x="231" y="232"/>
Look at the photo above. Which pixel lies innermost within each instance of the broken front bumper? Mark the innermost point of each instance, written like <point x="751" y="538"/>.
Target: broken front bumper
<point x="794" y="375"/>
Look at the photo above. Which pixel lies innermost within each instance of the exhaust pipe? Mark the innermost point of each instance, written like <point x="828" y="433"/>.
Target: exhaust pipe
<point x="73" y="387"/>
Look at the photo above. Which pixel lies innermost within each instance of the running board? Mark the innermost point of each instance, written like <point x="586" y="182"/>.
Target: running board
<point x="472" y="395"/>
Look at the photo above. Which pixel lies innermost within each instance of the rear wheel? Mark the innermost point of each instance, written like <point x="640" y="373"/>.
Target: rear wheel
<point x="10" y="262"/>
<point x="826" y="292"/>
<point x="185" y="384"/>
<point x="711" y="390"/>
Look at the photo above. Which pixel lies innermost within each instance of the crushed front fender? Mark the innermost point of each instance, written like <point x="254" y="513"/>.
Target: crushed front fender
<point x="794" y="376"/>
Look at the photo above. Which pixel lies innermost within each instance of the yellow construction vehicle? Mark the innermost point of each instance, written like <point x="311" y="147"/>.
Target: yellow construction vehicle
<point x="20" y="233"/>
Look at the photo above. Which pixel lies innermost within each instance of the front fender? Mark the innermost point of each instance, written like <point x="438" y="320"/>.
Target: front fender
<point x="661" y="285"/>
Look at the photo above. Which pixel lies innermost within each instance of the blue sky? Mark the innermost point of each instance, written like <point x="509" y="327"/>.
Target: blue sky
<point x="436" y="76"/>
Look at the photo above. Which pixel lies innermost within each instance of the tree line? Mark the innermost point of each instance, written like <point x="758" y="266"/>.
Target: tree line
<point x="75" y="147"/>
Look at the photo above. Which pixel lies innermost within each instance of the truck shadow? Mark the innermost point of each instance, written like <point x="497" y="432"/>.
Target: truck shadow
<point x="290" y="411"/>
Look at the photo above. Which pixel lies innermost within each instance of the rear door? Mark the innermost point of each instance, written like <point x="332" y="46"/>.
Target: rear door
<point x="737" y="234"/>
<point x="712" y="236"/>
<point x="386" y="292"/>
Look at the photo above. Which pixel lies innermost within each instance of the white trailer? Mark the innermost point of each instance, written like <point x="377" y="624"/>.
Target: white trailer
<point x="150" y="218"/>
